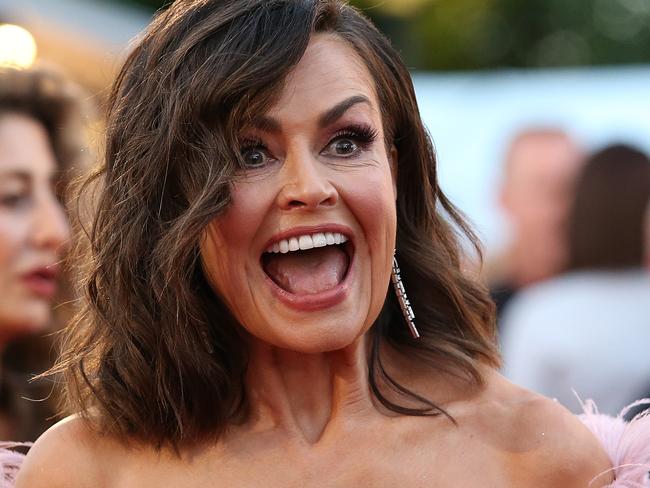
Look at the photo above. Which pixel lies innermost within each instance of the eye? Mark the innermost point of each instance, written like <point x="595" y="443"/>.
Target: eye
<point x="14" y="200"/>
<point x="343" y="147"/>
<point x="254" y="158"/>
<point x="254" y="154"/>
<point x="350" y="141"/>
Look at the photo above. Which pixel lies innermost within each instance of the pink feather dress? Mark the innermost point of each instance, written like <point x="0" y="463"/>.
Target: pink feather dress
<point x="626" y="443"/>
<point x="10" y="461"/>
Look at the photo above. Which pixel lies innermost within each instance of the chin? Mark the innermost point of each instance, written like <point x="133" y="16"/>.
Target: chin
<point x="321" y="335"/>
<point x="331" y="343"/>
<point x="28" y="322"/>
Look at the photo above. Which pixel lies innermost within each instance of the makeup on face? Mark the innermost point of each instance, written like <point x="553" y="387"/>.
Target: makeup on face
<point x="33" y="226"/>
<point x="345" y="141"/>
<point x="303" y="254"/>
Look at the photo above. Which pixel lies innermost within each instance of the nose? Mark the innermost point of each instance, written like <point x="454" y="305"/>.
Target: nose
<point x="50" y="228"/>
<point x="305" y="185"/>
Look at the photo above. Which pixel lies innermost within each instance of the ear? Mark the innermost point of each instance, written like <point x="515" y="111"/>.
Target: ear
<point x="392" y="160"/>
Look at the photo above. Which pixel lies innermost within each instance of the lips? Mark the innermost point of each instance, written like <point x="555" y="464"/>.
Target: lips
<point x="309" y="268"/>
<point x="42" y="281"/>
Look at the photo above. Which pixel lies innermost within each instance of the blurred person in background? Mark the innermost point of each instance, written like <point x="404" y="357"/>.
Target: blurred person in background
<point x="40" y="142"/>
<point x="540" y="169"/>
<point x="588" y="330"/>
<point x="647" y="236"/>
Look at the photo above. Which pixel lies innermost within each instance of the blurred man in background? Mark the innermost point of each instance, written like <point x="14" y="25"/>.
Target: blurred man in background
<point x="588" y="329"/>
<point x="541" y="165"/>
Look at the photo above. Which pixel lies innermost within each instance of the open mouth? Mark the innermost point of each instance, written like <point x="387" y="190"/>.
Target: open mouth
<point x="309" y="264"/>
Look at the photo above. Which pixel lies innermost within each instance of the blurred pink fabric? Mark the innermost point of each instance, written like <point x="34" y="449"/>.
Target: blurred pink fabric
<point x="10" y="462"/>
<point x="626" y="443"/>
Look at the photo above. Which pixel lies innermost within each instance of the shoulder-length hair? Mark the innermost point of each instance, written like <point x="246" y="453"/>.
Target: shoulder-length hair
<point x="153" y="354"/>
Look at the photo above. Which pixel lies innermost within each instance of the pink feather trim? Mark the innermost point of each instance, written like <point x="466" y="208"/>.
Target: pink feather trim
<point x="626" y="443"/>
<point x="10" y="462"/>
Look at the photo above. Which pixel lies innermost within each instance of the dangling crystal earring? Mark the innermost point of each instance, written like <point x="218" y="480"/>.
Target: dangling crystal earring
<point x="403" y="300"/>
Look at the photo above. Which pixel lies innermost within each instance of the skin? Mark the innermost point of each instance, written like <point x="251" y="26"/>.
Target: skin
<point x="307" y="183"/>
<point x="33" y="226"/>
<point x="314" y="421"/>
<point x="540" y="173"/>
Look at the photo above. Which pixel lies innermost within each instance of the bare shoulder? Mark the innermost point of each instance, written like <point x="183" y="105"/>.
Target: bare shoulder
<point x="67" y="455"/>
<point x="544" y="444"/>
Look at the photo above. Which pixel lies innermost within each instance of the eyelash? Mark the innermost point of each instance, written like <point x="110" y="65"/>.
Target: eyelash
<point x="248" y="144"/>
<point x="362" y="134"/>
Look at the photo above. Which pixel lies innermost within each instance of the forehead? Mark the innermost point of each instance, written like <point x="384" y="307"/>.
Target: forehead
<point x="24" y="146"/>
<point x="330" y="71"/>
<point x="544" y="155"/>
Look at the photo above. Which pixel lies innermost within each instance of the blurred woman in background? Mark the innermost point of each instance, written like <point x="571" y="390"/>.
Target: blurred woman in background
<point x="588" y="330"/>
<point x="40" y="143"/>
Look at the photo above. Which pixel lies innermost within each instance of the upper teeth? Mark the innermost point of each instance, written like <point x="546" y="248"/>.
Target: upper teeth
<point x="307" y="241"/>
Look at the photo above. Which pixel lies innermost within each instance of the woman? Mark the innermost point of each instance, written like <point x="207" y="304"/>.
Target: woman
<point x="264" y="160"/>
<point x="39" y="124"/>
<point x="600" y="306"/>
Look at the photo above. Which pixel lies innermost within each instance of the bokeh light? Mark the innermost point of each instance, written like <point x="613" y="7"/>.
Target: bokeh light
<point x="17" y="46"/>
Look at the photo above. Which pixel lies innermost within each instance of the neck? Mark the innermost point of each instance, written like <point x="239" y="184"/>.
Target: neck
<point x="304" y="394"/>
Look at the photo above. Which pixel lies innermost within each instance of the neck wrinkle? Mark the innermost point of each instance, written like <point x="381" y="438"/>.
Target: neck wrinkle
<point x="305" y="395"/>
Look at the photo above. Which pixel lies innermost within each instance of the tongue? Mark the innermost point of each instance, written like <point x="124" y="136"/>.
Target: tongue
<point x="308" y="272"/>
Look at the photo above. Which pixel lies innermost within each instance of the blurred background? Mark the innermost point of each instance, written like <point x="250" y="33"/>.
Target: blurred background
<point x="516" y="96"/>
<point x="483" y="70"/>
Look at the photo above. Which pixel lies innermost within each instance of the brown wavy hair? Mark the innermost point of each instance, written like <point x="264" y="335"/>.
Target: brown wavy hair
<point x="153" y="354"/>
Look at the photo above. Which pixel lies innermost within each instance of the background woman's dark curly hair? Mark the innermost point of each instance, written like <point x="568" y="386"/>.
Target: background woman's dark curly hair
<point x="153" y="353"/>
<point x="48" y="97"/>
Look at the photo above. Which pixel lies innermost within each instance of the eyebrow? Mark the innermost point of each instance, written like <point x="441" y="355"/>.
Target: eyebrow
<point x="269" y="124"/>
<point x="24" y="176"/>
<point x="336" y="112"/>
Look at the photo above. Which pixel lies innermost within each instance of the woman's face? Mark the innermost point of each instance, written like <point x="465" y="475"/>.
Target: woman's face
<point x="302" y="256"/>
<point x="33" y="227"/>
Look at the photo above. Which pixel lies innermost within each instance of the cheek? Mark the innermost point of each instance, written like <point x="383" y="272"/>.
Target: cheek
<point x="372" y="201"/>
<point x="12" y="238"/>
<point x="371" y="197"/>
<point x="242" y="219"/>
<point x="228" y="242"/>
<point x="19" y="312"/>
